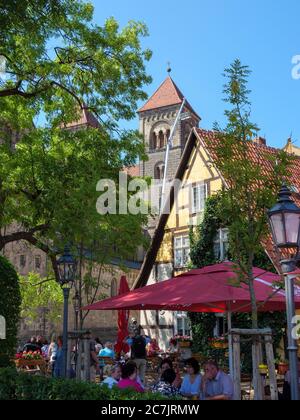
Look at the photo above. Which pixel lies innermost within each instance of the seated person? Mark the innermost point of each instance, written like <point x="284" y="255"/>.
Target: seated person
<point x="165" y="385"/>
<point x="192" y="381"/>
<point x="32" y="346"/>
<point x="153" y="348"/>
<point x="216" y="385"/>
<point x="114" y="376"/>
<point x="129" y="378"/>
<point x="168" y="364"/>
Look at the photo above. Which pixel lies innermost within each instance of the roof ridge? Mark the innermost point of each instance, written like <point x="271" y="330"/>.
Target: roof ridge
<point x="167" y="94"/>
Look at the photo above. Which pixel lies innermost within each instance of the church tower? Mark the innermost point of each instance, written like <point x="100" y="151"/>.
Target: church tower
<point x="157" y="117"/>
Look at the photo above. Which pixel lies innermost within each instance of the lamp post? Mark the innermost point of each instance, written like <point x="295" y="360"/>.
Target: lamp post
<point x="67" y="270"/>
<point x="284" y="220"/>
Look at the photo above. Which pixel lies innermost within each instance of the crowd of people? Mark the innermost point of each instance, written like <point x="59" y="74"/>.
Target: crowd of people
<point x="207" y="382"/>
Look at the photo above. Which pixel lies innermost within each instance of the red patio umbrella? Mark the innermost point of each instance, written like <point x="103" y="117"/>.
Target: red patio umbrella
<point x="210" y="289"/>
<point x="123" y="317"/>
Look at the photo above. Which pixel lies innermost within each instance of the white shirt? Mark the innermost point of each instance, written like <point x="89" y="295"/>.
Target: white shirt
<point x="110" y="382"/>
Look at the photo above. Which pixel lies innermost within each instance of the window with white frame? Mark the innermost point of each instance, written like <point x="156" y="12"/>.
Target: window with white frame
<point x="183" y="324"/>
<point x="181" y="251"/>
<point x="200" y="194"/>
<point x="221" y="245"/>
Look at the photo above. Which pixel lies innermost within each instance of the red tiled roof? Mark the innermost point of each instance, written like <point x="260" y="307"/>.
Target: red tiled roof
<point x="133" y="171"/>
<point x="86" y="119"/>
<point x="209" y="139"/>
<point x="167" y="94"/>
<point x="260" y="155"/>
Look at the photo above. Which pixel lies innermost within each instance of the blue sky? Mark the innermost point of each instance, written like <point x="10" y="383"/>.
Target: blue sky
<point x="201" y="37"/>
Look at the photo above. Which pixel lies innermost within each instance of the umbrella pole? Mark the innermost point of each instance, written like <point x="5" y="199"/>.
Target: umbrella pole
<point x="230" y="342"/>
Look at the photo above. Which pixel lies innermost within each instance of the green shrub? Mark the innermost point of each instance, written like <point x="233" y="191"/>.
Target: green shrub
<point x="10" y="302"/>
<point x="21" y="386"/>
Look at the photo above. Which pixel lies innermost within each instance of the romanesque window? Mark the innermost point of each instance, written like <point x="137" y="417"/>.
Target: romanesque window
<point x="161" y="137"/>
<point x="37" y="262"/>
<point x="22" y="261"/>
<point x="153" y="145"/>
<point x="168" y="135"/>
<point x="159" y="171"/>
<point x="114" y="288"/>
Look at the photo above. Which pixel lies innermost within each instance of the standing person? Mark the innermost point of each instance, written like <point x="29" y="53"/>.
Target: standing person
<point x="99" y="346"/>
<point x="216" y="384"/>
<point x="40" y="341"/>
<point x="58" y="359"/>
<point x="190" y="387"/>
<point x="52" y="350"/>
<point x="94" y="363"/>
<point x="45" y="348"/>
<point x="138" y="344"/>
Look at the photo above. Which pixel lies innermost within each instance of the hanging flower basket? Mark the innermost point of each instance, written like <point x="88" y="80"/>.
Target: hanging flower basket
<point x="185" y="344"/>
<point x="219" y="343"/>
<point x="181" y="341"/>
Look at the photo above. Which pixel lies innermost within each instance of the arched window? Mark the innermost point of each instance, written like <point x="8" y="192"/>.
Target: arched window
<point x="161" y="138"/>
<point x="153" y="143"/>
<point x="159" y="171"/>
<point x="114" y="288"/>
<point x="168" y="133"/>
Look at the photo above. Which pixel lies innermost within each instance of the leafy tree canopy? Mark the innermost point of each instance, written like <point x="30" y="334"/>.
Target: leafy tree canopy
<point x="59" y="63"/>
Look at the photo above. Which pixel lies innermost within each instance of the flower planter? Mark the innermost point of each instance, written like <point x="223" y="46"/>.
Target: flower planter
<point x="219" y="345"/>
<point x="185" y="344"/>
<point x="25" y="363"/>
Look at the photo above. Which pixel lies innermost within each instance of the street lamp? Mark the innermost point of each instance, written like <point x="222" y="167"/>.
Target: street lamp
<point x="66" y="265"/>
<point x="284" y="220"/>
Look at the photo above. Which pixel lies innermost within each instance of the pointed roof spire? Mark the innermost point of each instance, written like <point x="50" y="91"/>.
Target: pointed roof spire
<point x="168" y="94"/>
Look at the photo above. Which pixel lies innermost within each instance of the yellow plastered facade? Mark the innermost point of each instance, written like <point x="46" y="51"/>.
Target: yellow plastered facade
<point x="199" y="170"/>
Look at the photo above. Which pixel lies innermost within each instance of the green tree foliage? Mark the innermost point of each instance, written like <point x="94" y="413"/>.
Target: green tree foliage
<point x="250" y="188"/>
<point x="203" y="236"/>
<point x="10" y="301"/>
<point x="56" y="70"/>
<point x="202" y="255"/>
<point x="36" y="294"/>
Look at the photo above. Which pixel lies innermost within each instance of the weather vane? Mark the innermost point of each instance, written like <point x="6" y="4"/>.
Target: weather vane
<point x="169" y="69"/>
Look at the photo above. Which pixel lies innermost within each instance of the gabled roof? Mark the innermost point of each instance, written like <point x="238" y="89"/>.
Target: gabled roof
<point x="87" y="119"/>
<point x="133" y="171"/>
<point x="209" y="140"/>
<point x="291" y="148"/>
<point x="168" y="94"/>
